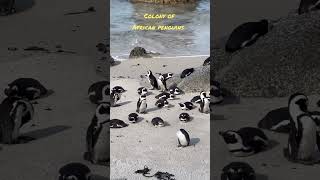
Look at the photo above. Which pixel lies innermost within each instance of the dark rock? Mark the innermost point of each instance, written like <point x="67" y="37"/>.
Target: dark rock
<point x="139" y="52"/>
<point x="284" y="61"/>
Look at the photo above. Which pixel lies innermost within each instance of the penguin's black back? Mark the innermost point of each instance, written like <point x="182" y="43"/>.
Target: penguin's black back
<point x="249" y="133"/>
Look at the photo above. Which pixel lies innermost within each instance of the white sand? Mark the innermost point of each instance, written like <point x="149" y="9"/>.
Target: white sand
<point x="270" y="164"/>
<point x="142" y="144"/>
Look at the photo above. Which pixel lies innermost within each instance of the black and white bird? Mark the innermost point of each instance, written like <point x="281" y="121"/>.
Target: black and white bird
<point x="183" y="138"/>
<point x="184" y="117"/>
<point x="165" y="95"/>
<point x="116" y="94"/>
<point x="205" y="103"/>
<point x="142" y="91"/>
<point x="26" y="88"/>
<point x="162" y="83"/>
<point x="152" y="80"/>
<point x="162" y="103"/>
<point x="186" y="72"/>
<point x="14" y="113"/>
<point x="186" y="106"/>
<point x="142" y="104"/>
<point x="175" y="90"/>
<point x="97" y="145"/>
<point x="303" y="136"/>
<point x="99" y="92"/>
<point x="157" y="122"/>
<point x="133" y="117"/>
<point x="167" y="75"/>
<point x="238" y="171"/>
<point x="74" y="171"/>
<point x="245" y="141"/>
<point x="117" y="123"/>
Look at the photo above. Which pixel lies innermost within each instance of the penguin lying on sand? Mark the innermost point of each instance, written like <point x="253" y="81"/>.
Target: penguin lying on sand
<point x="7" y="7"/>
<point x="245" y="141"/>
<point x="186" y="72"/>
<point x="26" y="88"/>
<point x="117" y="123"/>
<point x="74" y="171"/>
<point x="238" y="171"/>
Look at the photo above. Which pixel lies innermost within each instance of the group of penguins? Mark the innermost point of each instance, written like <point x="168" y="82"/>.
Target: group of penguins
<point x="165" y="95"/>
<point x="248" y="33"/>
<point x="302" y="125"/>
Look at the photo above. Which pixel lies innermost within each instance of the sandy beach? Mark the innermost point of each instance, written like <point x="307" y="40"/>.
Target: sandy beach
<point x="63" y="117"/>
<point x="142" y="144"/>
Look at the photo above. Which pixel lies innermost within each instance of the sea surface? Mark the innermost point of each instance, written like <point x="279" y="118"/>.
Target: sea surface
<point x="194" y="40"/>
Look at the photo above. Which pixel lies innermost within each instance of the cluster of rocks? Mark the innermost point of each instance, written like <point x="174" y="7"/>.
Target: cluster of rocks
<point x="284" y="61"/>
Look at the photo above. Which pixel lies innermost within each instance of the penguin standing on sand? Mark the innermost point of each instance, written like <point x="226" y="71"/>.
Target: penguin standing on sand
<point x="152" y="80"/>
<point x="205" y="103"/>
<point x="142" y="104"/>
<point x="245" y="141"/>
<point x="183" y="138"/>
<point x="97" y="145"/>
<point x="99" y="92"/>
<point x="306" y="6"/>
<point x="74" y="171"/>
<point x="157" y="122"/>
<point x="14" y="113"/>
<point x="246" y="34"/>
<point x="26" y="88"/>
<point x="116" y="94"/>
<point x="303" y="131"/>
<point x="162" y="83"/>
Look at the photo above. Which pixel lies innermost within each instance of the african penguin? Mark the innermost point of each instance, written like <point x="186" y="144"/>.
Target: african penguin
<point x="133" y="117"/>
<point x="99" y="92"/>
<point x="165" y="95"/>
<point x="184" y="117"/>
<point x="117" y="123"/>
<point x="196" y="99"/>
<point x="306" y="6"/>
<point x="115" y="95"/>
<point x="162" y="103"/>
<point x="142" y="105"/>
<point x="245" y="141"/>
<point x="142" y="91"/>
<point x="303" y="135"/>
<point x="97" y="144"/>
<point x="14" y="113"/>
<point x="162" y="83"/>
<point x="26" y="88"/>
<point x="7" y="7"/>
<point x="204" y="104"/>
<point x="246" y="34"/>
<point x="238" y="171"/>
<point x="175" y="91"/>
<point x="167" y="75"/>
<point x="157" y="122"/>
<point x="183" y="138"/>
<point x="186" y="72"/>
<point x="152" y="80"/>
<point x="74" y="171"/>
<point x="277" y="120"/>
<point x="186" y="106"/>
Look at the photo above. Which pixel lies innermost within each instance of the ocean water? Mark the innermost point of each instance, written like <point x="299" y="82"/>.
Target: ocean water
<point x="194" y="40"/>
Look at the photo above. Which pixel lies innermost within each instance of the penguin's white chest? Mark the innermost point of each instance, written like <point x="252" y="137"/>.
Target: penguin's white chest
<point x="143" y="106"/>
<point x="308" y="140"/>
<point x="206" y="105"/>
<point x="182" y="139"/>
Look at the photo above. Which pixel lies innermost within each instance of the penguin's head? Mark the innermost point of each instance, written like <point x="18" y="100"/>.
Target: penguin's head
<point x="103" y="112"/>
<point x="11" y="90"/>
<point x="161" y="78"/>
<point x="160" y="103"/>
<point x="149" y="73"/>
<point x="238" y="171"/>
<point x="230" y="137"/>
<point x="184" y="117"/>
<point x="203" y="95"/>
<point x="119" y="89"/>
<point x="182" y="105"/>
<point x="169" y="75"/>
<point x="177" y="91"/>
<point x="298" y="102"/>
<point x="74" y="171"/>
<point x="166" y="103"/>
<point x="144" y="91"/>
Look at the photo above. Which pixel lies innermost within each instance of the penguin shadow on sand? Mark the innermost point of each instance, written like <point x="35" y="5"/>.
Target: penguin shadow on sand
<point x="194" y="141"/>
<point x="122" y="103"/>
<point x="152" y="109"/>
<point x="42" y="133"/>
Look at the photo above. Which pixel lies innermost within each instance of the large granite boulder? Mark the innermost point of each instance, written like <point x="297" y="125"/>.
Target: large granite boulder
<point x="282" y="62"/>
